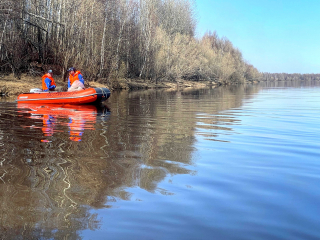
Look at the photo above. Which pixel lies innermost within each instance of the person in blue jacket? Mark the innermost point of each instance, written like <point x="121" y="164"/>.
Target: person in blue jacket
<point x="48" y="83"/>
<point x="74" y="76"/>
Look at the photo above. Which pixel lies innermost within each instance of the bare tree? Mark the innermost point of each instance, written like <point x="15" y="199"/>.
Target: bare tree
<point x="148" y="39"/>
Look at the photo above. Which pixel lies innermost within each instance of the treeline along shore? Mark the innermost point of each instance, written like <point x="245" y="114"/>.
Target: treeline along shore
<point x="116" y="41"/>
<point x="109" y="40"/>
<point x="271" y="77"/>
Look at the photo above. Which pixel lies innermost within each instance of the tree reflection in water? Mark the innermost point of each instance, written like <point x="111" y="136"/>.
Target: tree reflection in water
<point x="40" y="187"/>
<point x="50" y="184"/>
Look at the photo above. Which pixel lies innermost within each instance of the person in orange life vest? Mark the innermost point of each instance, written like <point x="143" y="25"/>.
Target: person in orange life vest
<point x="75" y="80"/>
<point x="48" y="83"/>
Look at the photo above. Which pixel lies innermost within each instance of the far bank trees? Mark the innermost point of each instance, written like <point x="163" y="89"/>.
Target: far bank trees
<point x="110" y="39"/>
<point x="273" y="77"/>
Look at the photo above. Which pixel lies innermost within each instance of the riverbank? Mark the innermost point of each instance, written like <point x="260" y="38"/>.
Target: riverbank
<point x="10" y="86"/>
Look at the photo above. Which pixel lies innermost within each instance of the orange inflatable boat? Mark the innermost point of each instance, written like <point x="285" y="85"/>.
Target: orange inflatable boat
<point x="89" y="95"/>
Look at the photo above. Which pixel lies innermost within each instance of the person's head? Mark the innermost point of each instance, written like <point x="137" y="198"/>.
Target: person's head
<point x="72" y="70"/>
<point x="50" y="72"/>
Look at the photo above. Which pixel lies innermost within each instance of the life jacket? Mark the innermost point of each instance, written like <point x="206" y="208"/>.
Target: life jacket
<point x="44" y="85"/>
<point x="74" y="77"/>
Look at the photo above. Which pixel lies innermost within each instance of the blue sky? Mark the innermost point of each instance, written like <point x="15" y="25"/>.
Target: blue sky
<point x="273" y="35"/>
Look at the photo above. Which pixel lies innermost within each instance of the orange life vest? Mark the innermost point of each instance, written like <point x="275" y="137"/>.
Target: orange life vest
<point x="44" y="85"/>
<point x="74" y="77"/>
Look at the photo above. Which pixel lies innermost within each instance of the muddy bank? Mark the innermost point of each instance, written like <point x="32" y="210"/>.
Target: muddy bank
<point x="10" y="86"/>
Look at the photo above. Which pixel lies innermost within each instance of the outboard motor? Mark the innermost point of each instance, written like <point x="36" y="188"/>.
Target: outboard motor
<point x="102" y="94"/>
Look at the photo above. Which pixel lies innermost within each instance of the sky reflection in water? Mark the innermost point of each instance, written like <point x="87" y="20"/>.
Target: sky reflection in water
<point x="238" y="162"/>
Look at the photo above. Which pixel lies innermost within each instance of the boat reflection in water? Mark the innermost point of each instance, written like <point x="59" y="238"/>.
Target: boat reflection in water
<point x="55" y="118"/>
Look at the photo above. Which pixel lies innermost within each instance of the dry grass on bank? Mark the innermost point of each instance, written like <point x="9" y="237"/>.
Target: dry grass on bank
<point x="10" y="86"/>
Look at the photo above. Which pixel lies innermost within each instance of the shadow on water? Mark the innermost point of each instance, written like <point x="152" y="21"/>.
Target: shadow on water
<point x="58" y="162"/>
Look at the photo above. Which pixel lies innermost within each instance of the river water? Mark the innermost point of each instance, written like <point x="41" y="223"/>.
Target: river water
<point x="237" y="162"/>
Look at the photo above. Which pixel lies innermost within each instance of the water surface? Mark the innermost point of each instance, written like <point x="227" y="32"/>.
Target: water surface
<point x="237" y="162"/>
